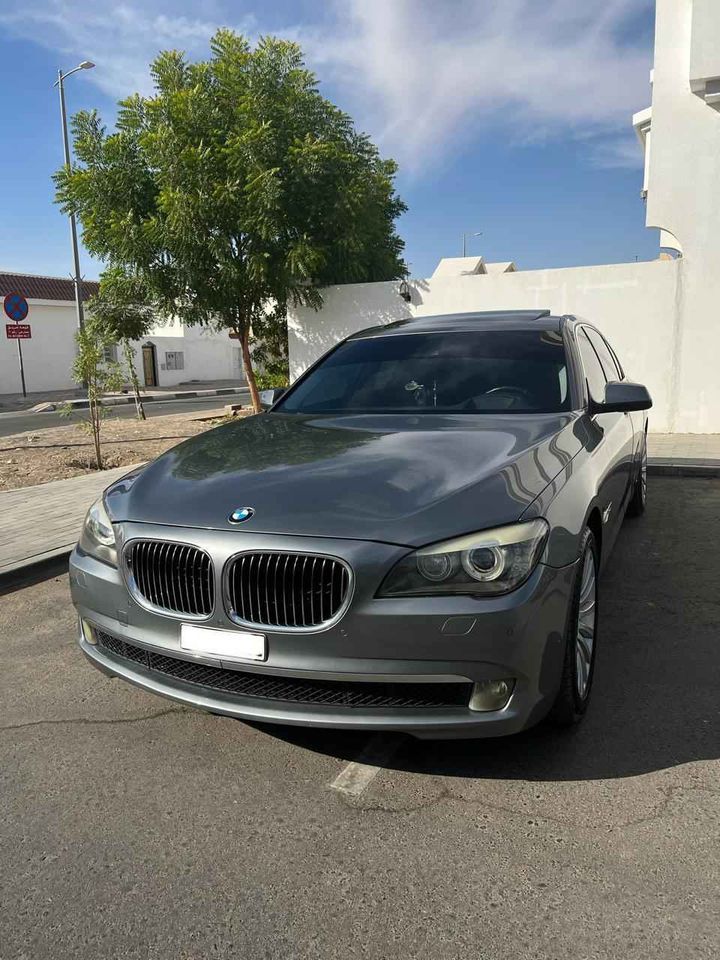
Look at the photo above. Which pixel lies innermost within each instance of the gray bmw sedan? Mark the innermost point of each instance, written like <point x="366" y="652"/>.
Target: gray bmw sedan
<point x="409" y="538"/>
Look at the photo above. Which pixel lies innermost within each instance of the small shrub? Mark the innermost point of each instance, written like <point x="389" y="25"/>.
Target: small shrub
<point x="271" y="381"/>
<point x="99" y="376"/>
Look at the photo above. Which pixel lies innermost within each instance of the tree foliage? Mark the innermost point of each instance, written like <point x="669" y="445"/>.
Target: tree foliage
<point x="122" y="311"/>
<point x="234" y="190"/>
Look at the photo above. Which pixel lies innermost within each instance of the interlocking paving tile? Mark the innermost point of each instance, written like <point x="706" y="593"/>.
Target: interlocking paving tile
<point x="42" y="521"/>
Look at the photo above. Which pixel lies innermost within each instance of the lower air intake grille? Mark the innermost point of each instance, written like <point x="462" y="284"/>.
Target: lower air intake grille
<point x="295" y="590"/>
<point x="292" y="689"/>
<point x="171" y="576"/>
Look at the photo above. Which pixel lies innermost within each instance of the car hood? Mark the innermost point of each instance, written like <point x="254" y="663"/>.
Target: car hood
<point x="397" y="479"/>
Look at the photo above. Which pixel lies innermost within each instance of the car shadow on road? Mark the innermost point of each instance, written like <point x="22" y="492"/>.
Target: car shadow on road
<point x="656" y="699"/>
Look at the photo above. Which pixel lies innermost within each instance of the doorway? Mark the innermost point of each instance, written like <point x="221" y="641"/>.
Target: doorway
<point x="149" y="359"/>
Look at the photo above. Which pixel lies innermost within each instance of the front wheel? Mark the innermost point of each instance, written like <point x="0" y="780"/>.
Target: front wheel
<point x="638" y="501"/>
<point x="581" y="639"/>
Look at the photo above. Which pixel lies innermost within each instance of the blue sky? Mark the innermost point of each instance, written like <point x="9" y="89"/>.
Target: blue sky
<point x="509" y="117"/>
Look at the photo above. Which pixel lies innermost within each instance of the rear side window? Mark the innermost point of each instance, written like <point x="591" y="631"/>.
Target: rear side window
<point x="591" y="365"/>
<point x="609" y="363"/>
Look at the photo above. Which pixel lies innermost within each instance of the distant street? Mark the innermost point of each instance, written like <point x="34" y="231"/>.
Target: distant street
<point x="23" y="421"/>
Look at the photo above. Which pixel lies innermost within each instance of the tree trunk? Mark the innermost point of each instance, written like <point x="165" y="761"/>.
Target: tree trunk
<point x="244" y="336"/>
<point x="95" y="420"/>
<point x="129" y="359"/>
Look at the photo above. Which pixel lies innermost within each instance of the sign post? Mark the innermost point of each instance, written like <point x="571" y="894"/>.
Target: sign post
<point x="16" y="307"/>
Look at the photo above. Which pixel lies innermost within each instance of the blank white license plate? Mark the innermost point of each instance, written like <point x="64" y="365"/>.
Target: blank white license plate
<point x="228" y="644"/>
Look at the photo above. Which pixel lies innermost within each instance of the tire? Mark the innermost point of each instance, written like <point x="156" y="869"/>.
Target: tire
<point x="576" y="681"/>
<point x="638" y="500"/>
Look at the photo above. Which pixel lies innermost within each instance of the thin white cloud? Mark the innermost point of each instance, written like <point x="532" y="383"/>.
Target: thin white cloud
<point x="623" y="152"/>
<point x="121" y="38"/>
<point x="424" y="78"/>
<point x="430" y="77"/>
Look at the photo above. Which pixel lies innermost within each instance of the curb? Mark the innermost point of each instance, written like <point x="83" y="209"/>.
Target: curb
<point x="129" y="398"/>
<point x="31" y="570"/>
<point x="680" y="468"/>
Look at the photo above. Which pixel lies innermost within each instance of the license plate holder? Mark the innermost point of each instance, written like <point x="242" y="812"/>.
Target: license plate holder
<point x="225" y="644"/>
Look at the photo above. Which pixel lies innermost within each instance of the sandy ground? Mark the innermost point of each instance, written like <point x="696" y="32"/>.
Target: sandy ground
<point x="60" y="452"/>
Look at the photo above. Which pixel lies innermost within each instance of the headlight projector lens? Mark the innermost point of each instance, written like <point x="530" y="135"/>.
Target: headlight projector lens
<point x="485" y="563"/>
<point x="436" y="567"/>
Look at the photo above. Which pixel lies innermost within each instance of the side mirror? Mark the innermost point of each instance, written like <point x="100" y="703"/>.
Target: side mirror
<point x="270" y="397"/>
<point x="622" y="397"/>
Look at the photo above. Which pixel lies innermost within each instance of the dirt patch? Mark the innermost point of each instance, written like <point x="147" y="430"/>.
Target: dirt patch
<point x="38" y="456"/>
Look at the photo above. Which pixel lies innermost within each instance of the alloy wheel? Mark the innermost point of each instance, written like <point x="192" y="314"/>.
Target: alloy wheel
<point x="585" y="633"/>
<point x="643" y="474"/>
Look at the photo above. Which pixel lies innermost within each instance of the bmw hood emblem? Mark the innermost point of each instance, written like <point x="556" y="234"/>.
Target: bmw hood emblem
<point x="241" y="514"/>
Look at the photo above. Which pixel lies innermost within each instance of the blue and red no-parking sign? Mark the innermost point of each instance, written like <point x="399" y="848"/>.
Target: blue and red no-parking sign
<point x="16" y="307"/>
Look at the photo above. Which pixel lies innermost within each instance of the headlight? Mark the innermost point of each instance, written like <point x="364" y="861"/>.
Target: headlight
<point x="485" y="564"/>
<point x="98" y="537"/>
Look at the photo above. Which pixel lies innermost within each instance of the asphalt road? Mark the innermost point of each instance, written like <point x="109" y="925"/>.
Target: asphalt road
<point x="23" y="421"/>
<point x="131" y="827"/>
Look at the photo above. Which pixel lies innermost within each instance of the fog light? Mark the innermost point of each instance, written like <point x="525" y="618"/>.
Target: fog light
<point x="491" y="694"/>
<point x="88" y="632"/>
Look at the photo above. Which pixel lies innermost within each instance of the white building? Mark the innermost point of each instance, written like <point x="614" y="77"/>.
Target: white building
<point x="170" y="355"/>
<point x="664" y="315"/>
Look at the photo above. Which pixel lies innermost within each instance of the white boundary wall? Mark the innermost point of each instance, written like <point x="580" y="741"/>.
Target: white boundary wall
<point x="638" y="306"/>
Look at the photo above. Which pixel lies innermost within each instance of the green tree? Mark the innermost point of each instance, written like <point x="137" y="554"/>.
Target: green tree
<point x="234" y="190"/>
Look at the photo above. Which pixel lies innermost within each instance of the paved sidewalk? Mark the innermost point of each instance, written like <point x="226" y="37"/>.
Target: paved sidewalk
<point x="684" y="454"/>
<point x="41" y="522"/>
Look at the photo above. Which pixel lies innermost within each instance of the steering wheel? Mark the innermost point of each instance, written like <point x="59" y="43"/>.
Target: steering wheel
<point x="512" y="391"/>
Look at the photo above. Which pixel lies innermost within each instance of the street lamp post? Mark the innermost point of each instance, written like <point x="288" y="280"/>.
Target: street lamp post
<point x="465" y="236"/>
<point x="85" y="65"/>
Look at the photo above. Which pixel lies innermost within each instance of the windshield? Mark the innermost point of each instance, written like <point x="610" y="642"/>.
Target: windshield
<point x="491" y="371"/>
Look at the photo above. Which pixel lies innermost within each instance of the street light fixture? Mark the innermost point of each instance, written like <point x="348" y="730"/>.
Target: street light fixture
<point x="465" y="236"/>
<point x="83" y="65"/>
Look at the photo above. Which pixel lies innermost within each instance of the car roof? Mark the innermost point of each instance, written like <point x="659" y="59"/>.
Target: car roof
<point x="467" y="322"/>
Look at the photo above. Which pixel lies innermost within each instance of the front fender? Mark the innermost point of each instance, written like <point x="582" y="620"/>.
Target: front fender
<point x="567" y="503"/>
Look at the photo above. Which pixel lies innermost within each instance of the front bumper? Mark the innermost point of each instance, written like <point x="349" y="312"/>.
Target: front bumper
<point x="404" y="640"/>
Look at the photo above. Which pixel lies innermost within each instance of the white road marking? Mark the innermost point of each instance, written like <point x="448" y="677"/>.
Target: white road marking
<point x="357" y="776"/>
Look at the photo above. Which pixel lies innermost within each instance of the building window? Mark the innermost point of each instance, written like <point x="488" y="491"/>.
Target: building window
<point x="646" y="173"/>
<point x="110" y="353"/>
<point x="174" y="360"/>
